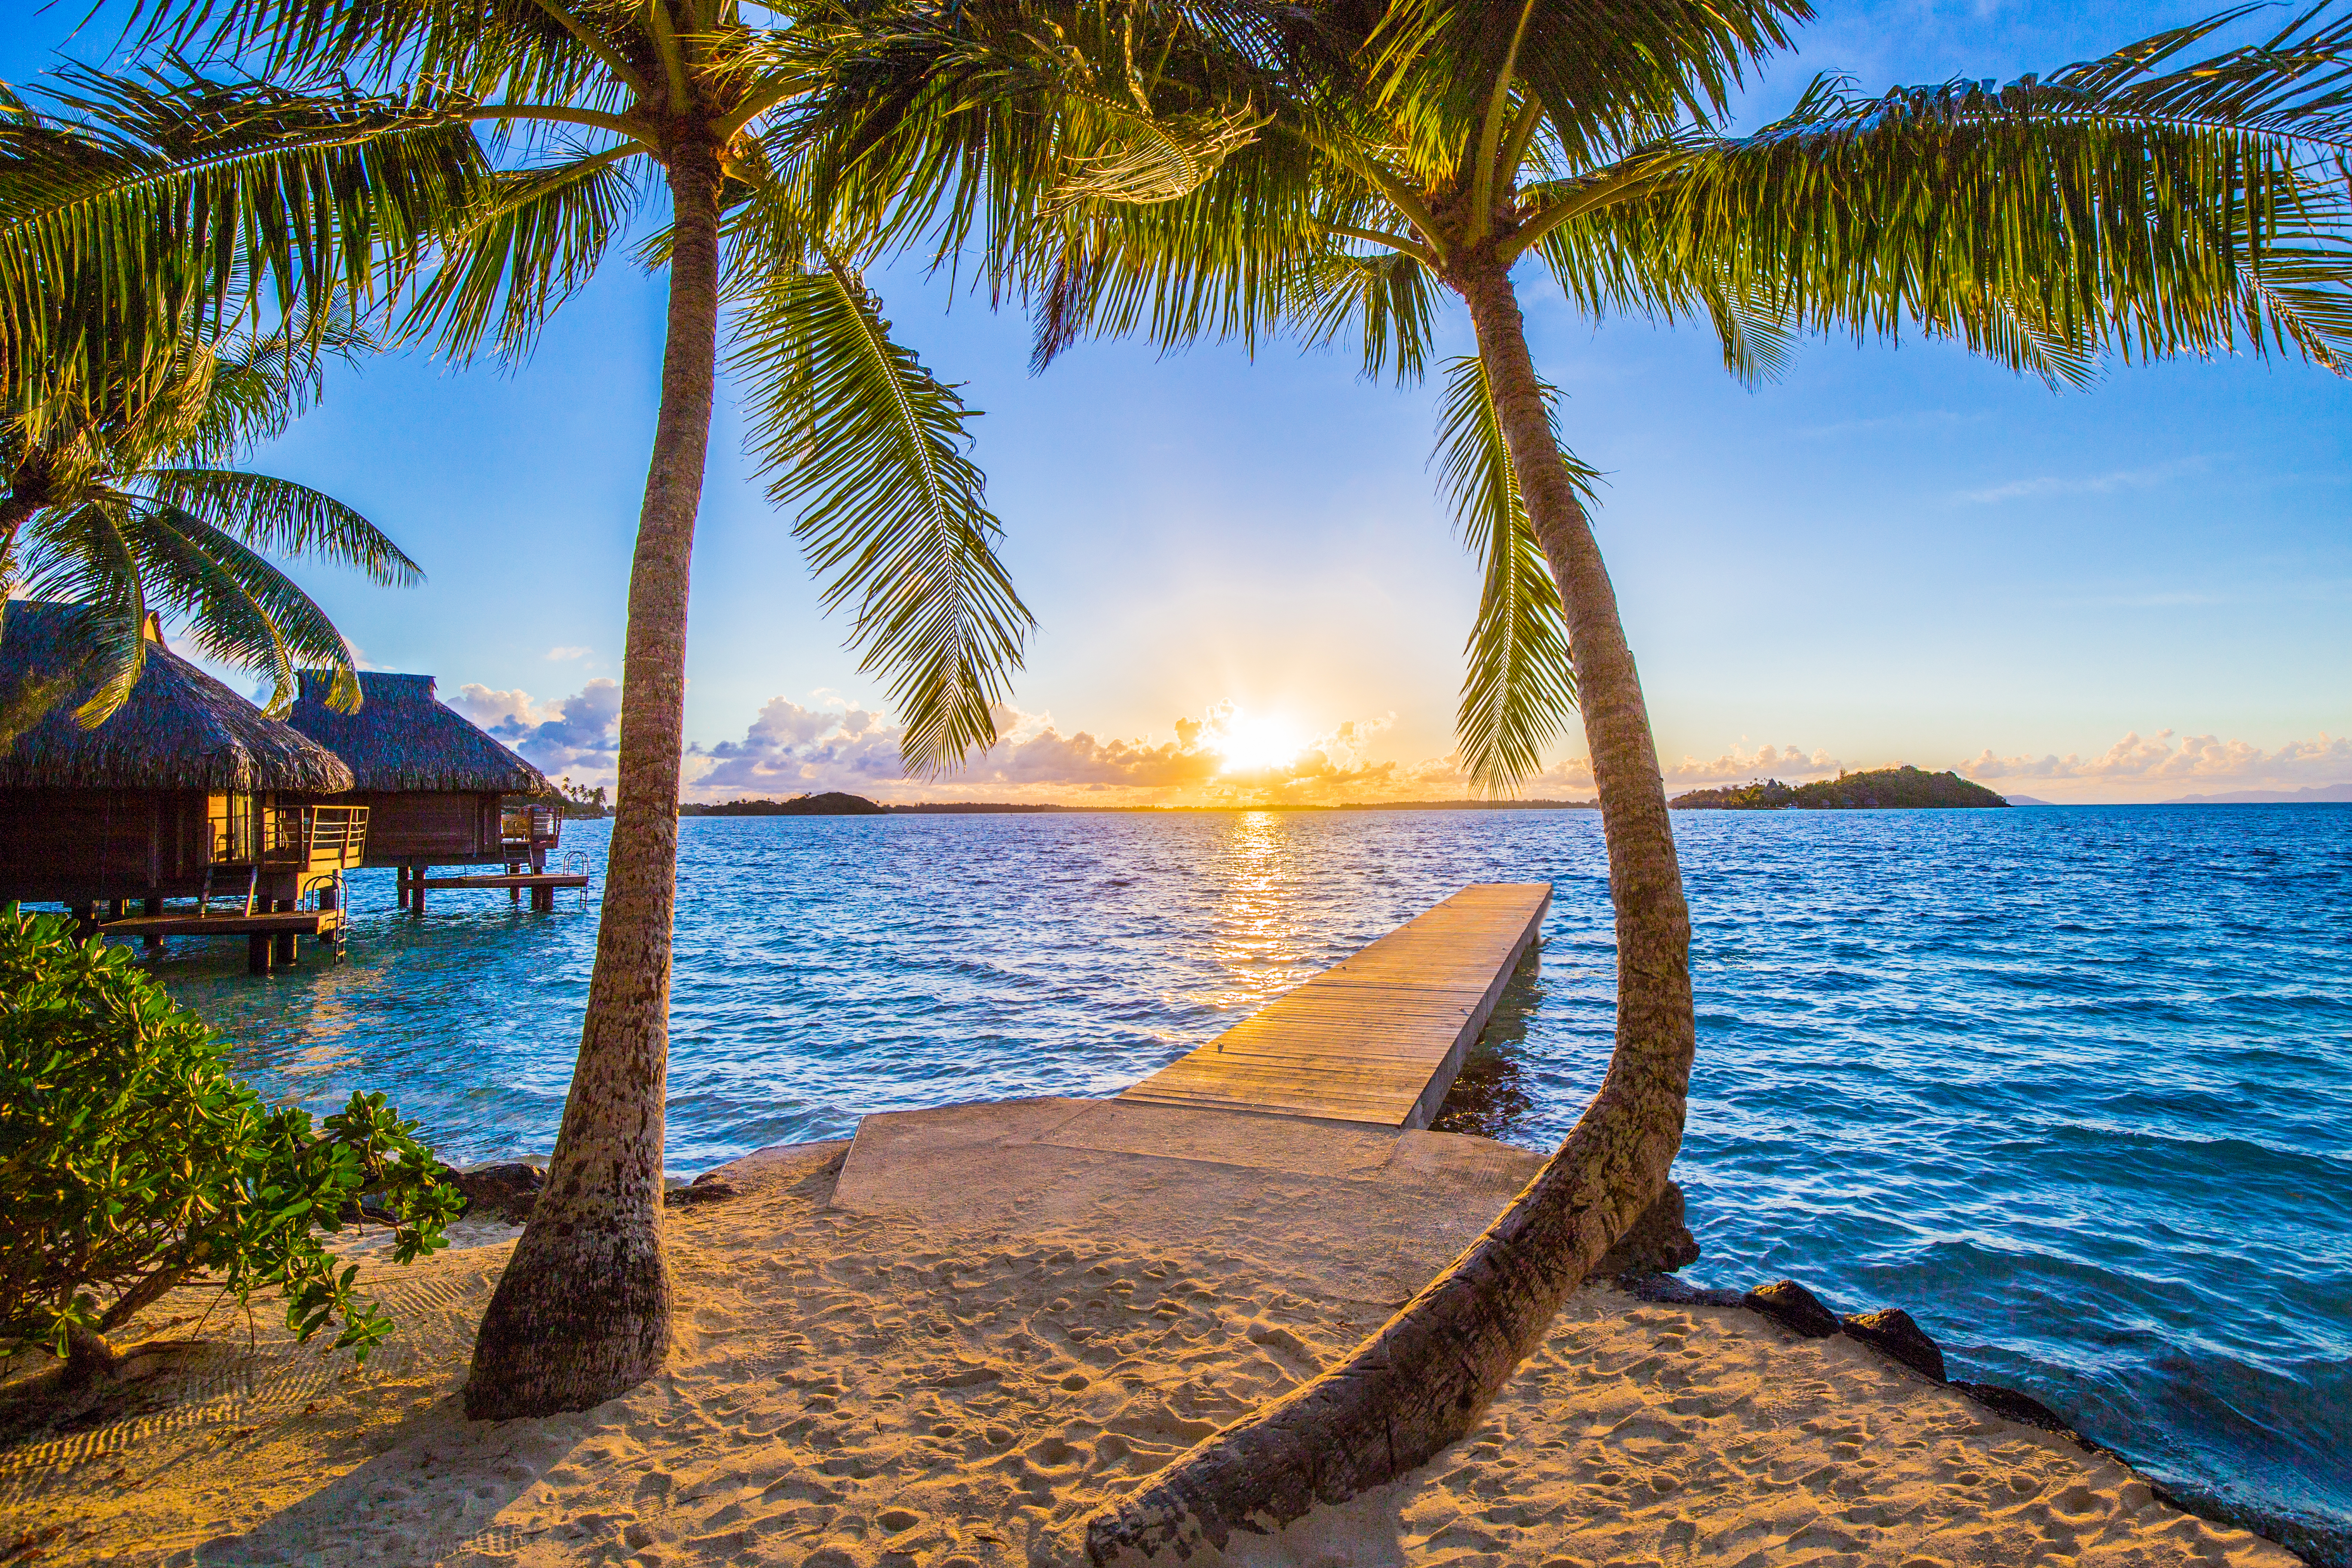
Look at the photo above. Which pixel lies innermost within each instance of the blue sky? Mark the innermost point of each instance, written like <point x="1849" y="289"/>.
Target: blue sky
<point x="2136" y="592"/>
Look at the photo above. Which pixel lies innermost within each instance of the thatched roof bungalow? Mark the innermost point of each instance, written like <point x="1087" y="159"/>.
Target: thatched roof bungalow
<point x="183" y="779"/>
<point x="436" y="788"/>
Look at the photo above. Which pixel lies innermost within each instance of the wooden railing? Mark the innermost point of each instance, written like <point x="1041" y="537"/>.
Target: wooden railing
<point x="527" y="827"/>
<point x="304" y="838"/>
<point x="331" y="838"/>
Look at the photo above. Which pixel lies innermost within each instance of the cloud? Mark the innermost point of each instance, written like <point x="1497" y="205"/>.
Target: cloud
<point x="577" y="735"/>
<point x="1736" y="766"/>
<point x="790" y="749"/>
<point x="2159" y="760"/>
<point x="2094" y="485"/>
<point x="1924" y="419"/>
<point x="558" y="655"/>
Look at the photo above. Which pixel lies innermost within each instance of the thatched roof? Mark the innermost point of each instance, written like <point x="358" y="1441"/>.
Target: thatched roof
<point x="179" y="729"/>
<point x="403" y="739"/>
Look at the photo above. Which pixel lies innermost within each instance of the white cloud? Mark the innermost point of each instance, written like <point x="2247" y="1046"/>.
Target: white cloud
<point x="1924" y="419"/>
<point x="577" y="735"/>
<point x="559" y="654"/>
<point x="2090" y="485"/>
<point x="2159" y="760"/>
<point x="1736" y="766"/>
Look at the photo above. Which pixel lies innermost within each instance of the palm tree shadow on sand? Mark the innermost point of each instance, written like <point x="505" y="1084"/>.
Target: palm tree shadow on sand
<point x="1490" y="1099"/>
<point x="476" y="1468"/>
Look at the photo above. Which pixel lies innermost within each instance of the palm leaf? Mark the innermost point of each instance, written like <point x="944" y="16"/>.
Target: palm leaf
<point x="192" y="195"/>
<point x="83" y="554"/>
<point x="1520" y="687"/>
<point x="870" y="449"/>
<point x="534" y="238"/>
<point x="281" y="517"/>
<point x="236" y="607"/>
<point x="2115" y="207"/>
<point x="1390" y="299"/>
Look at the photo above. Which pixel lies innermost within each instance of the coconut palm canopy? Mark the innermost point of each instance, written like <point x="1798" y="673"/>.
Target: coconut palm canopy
<point x="403" y="739"/>
<point x="177" y="729"/>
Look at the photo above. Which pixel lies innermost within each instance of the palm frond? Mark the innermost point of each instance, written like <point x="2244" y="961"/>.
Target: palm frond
<point x="1520" y="688"/>
<point x="534" y="238"/>
<point x="281" y="517"/>
<point x="1143" y="159"/>
<point x="238" y="607"/>
<point x="1391" y="299"/>
<point x="181" y="195"/>
<point x="83" y="553"/>
<point x="2126" y="205"/>
<point x="869" y="448"/>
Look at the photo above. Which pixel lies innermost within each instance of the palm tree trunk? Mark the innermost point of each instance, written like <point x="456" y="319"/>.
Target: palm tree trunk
<point x="582" y="1312"/>
<point x="1425" y="1378"/>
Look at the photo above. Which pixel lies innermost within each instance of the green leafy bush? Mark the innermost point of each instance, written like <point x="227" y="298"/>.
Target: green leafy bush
<point x="131" y="1162"/>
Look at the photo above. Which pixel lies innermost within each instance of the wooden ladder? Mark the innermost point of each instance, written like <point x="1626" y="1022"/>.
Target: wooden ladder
<point x="252" y="886"/>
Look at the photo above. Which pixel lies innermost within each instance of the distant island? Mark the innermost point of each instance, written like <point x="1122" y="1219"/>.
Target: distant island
<point x="1881" y="789"/>
<point x="833" y="803"/>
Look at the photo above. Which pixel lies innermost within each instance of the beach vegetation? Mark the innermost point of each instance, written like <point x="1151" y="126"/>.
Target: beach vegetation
<point x="1343" y="171"/>
<point x="465" y="170"/>
<point x="579" y="800"/>
<point x="134" y="1162"/>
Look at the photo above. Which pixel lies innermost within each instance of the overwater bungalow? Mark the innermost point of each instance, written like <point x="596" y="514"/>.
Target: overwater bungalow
<point x="188" y="791"/>
<point x="438" y="790"/>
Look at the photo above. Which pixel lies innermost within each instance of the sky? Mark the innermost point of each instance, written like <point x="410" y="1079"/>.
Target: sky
<point x="1246" y="590"/>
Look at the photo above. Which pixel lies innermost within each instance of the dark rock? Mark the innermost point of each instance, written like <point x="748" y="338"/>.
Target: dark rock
<point x="1794" y="1307"/>
<point x="1666" y="1288"/>
<point x="701" y="1190"/>
<point x="2018" y="1407"/>
<point x="504" y="1190"/>
<point x="1658" y="1242"/>
<point x="1892" y="1330"/>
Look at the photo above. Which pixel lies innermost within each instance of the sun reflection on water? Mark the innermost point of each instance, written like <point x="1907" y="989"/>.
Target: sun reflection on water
<point x="1258" y="936"/>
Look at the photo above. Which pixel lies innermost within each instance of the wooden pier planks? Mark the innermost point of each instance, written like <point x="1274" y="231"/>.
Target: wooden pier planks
<point x="1378" y="1037"/>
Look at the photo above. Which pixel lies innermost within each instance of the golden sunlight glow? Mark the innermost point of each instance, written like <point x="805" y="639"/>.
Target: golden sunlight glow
<point x="1254" y="742"/>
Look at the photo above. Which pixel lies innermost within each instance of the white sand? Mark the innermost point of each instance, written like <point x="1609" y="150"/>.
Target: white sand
<point x="859" y="1389"/>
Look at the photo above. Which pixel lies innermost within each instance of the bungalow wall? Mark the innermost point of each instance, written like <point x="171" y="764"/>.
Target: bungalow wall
<point x="435" y="829"/>
<point x="76" y="847"/>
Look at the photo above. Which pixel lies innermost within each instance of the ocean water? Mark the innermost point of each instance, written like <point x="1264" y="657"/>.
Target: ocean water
<point x="2074" y="1086"/>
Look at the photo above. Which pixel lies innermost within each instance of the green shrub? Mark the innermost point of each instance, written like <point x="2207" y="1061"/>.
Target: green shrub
<point x="131" y="1160"/>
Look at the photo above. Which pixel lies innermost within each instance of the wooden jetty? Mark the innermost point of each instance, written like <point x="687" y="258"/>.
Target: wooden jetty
<point x="542" y="885"/>
<point x="1378" y="1037"/>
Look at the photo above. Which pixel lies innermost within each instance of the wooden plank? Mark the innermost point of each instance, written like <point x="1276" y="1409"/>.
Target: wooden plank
<point x="299" y="922"/>
<point x="1376" y="1038"/>
<point x="520" y="879"/>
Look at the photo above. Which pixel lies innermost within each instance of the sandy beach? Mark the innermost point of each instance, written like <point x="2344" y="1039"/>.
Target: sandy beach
<point x="857" y="1388"/>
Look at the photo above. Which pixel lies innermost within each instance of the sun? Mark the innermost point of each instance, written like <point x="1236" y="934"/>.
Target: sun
<point x="1254" y="742"/>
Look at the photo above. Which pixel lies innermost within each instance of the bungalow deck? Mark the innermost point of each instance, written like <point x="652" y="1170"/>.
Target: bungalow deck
<point x="1378" y="1037"/>
<point x="271" y="935"/>
<point x="542" y="885"/>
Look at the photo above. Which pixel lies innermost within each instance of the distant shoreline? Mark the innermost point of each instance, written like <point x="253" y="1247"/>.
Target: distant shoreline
<point x="837" y="805"/>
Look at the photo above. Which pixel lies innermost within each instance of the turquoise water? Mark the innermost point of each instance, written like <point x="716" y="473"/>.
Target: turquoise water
<point x="2074" y="1086"/>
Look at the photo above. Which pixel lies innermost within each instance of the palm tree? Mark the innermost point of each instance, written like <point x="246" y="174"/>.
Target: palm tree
<point x="596" y="104"/>
<point x="1231" y="170"/>
<point x="124" y="499"/>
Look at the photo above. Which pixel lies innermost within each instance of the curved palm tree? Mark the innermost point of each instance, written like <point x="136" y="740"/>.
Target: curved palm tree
<point x="1236" y="169"/>
<point x="595" y="106"/>
<point x="124" y="499"/>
